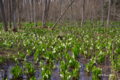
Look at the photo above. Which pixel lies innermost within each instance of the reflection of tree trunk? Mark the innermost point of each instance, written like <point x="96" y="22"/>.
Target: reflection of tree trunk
<point x="3" y="15"/>
<point x="102" y="13"/>
<point x="83" y="7"/>
<point x="5" y="74"/>
<point x="109" y="11"/>
<point x="9" y="6"/>
<point x="14" y="14"/>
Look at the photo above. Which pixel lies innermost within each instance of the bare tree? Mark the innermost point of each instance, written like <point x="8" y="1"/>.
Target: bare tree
<point x="83" y="9"/>
<point x="14" y="16"/>
<point x="35" y="12"/>
<point x="9" y="6"/>
<point x="28" y="10"/>
<point x="18" y="14"/>
<point x="45" y="13"/>
<point x="102" y="13"/>
<point x="3" y="16"/>
<point x="90" y="6"/>
<point x="71" y="16"/>
<point x="31" y="7"/>
<point x="48" y="5"/>
<point x="60" y="6"/>
<point x="109" y="12"/>
<point x="6" y="8"/>
<point x="114" y="6"/>
<point x="61" y="1"/>
<point x="92" y="10"/>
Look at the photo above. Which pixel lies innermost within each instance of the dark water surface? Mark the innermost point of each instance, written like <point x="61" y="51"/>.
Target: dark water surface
<point x="5" y="70"/>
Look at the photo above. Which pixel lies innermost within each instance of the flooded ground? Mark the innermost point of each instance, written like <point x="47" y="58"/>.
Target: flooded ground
<point x="5" y="70"/>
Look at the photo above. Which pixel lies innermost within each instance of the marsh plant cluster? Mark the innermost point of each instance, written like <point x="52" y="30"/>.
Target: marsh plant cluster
<point x="93" y="43"/>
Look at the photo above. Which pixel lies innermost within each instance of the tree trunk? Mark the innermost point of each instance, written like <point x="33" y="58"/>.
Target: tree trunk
<point x="3" y="16"/>
<point x="61" y="7"/>
<point x="6" y="8"/>
<point x="71" y="16"/>
<point x="32" y="11"/>
<point x="114" y="4"/>
<point x="26" y="19"/>
<point x="18" y="15"/>
<point x="83" y="7"/>
<point x="44" y="14"/>
<point x="109" y="12"/>
<point x="92" y="12"/>
<point x="29" y="8"/>
<point x="102" y="13"/>
<point x="61" y="1"/>
<point x="9" y="8"/>
<point x="27" y="11"/>
<point x="35" y="12"/>
<point x="48" y="5"/>
<point x="14" y="15"/>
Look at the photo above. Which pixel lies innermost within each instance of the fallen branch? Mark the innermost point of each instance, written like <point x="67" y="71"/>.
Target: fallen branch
<point x="62" y="14"/>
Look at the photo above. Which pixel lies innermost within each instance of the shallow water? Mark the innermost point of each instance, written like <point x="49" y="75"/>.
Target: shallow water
<point x="5" y="70"/>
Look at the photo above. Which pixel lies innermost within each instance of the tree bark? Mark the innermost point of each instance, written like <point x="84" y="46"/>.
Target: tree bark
<point x="109" y="12"/>
<point x="102" y="13"/>
<point x="9" y="8"/>
<point x="83" y="7"/>
<point x="3" y="16"/>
